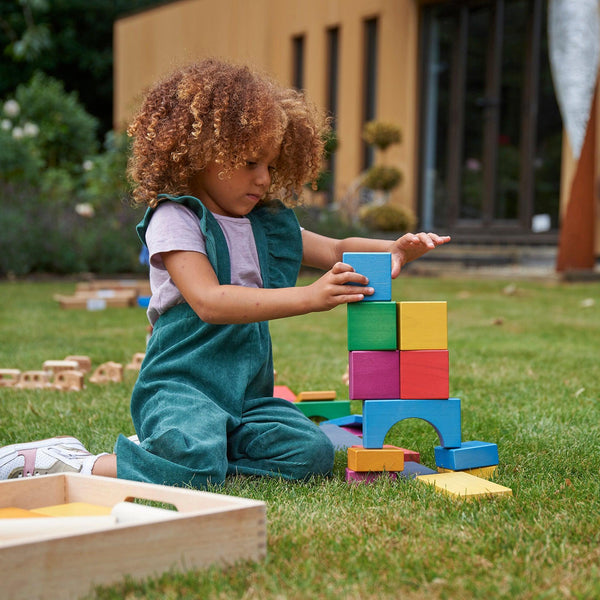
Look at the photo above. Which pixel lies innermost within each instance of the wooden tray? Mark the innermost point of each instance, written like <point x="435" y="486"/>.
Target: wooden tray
<point x="210" y="529"/>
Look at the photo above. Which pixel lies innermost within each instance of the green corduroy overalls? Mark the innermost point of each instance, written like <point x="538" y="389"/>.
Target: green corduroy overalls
<point x="203" y="404"/>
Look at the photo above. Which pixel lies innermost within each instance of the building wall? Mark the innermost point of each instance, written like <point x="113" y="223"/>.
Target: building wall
<point x="150" y="44"/>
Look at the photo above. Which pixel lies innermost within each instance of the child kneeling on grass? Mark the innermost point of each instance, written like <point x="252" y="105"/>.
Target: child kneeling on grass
<point x="215" y="146"/>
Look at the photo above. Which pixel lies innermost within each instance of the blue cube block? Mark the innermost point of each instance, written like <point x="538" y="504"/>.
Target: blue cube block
<point x="377" y="267"/>
<point x="470" y="455"/>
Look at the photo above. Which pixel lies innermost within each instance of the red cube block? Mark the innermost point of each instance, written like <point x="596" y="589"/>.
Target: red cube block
<point x="424" y="374"/>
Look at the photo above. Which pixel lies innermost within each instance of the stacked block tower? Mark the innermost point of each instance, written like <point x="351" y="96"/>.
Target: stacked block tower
<point x="399" y="368"/>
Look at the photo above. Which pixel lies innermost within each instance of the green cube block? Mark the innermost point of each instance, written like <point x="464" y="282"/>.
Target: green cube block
<point x="372" y="326"/>
<point x="325" y="409"/>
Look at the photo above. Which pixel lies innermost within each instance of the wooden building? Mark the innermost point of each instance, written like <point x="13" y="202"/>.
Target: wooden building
<point x="468" y="81"/>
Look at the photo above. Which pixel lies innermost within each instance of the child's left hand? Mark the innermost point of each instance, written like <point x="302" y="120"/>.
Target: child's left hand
<point x="411" y="246"/>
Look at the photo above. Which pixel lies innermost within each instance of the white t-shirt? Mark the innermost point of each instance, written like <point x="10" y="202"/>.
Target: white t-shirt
<point x="175" y="227"/>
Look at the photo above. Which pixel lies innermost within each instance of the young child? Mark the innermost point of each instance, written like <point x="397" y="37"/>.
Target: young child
<point x="219" y="154"/>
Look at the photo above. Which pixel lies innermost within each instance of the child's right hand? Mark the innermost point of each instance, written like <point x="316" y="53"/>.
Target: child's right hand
<point x="331" y="289"/>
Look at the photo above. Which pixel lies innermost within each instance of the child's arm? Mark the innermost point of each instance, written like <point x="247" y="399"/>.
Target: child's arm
<point x="322" y="252"/>
<point x="195" y="278"/>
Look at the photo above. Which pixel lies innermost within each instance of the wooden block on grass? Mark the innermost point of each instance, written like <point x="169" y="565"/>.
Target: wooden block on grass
<point x="377" y="267"/>
<point x="470" y="455"/>
<point x="389" y="458"/>
<point x="325" y="410"/>
<point x="9" y="377"/>
<point x="368" y="477"/>
<point x="423" y="325"/>
<point x="374" y="374"/>
<point x="464" y="485"/>
<point x="315" y="396"/>
<point x="424" y="374"/>
<point x="443" y="415"/>
<point x="283" y="391"/>
<point x="372" y="326"/>
<point x="483" y="472"/>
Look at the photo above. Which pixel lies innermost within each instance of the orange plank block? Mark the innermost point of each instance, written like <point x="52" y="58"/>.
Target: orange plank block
<point x="315" y="396"/>
<point x="389" y="458"/>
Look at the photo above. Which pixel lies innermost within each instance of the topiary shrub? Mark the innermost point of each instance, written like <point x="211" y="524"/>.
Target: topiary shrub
<point x="388" y="217"/>
<point x="382" y="177"/>
<point x="381" y="134"/>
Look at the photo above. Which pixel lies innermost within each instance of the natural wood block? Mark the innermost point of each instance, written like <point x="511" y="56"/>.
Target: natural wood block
<point x="69" y="381"/>
<point x="57" y="366"/>
<point x="136" y="361"/>
<point x="208" y="529"/>
<point x="374" y="374"/>
<point x="9" y="377"/>
<point x="464" y="485"/>
<point x="423" y="325"/>
<point x="377" y="267"/>
<point x="470" y="455"/>
<point x="389" y="458"/>
<point x="424" y="374"/>
<point x="372" y="326"/>
<point x="108" y="372"/>
<point x="33" y="380"/>
<point x="84" y="362"/>
<point x="315" y="396"/>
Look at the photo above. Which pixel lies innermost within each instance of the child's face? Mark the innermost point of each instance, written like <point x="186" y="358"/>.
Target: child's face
<point x="237" y="195"/>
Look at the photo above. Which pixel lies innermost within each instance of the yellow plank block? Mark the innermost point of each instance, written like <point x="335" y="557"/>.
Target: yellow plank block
<point x="13" y="512"/>
<point x="363" y="460"/>
<point x="315" y="396"/>
<point x="423" y="325"/>
<point x="463" y="484"/>
<point x="74" y="509"/>
<point x="483" y="472"/>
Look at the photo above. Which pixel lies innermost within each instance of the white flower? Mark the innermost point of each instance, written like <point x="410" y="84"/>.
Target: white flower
<point x="12" y="108"/>
<point x="17" y="133"/>
<point x="88" y="165"/>
<point x="6" y="125"/>
<point x="30" y="129"/>
<point x="85" y="209"/>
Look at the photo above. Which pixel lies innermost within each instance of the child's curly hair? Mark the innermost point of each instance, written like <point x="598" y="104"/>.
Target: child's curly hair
<point x="217" y="111"/>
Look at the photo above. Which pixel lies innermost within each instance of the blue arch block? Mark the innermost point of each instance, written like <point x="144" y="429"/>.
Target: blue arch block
<point x="380" y="415"/>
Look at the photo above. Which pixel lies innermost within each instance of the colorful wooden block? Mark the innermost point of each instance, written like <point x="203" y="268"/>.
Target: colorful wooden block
<point x="283" y="391"/>
<point x="347" y="420"/>
<point x="424" y="374"/>
<point x="389" y="458"/>
<point x="325" y="409"/>
<point x="374" y="374"/>
<point x="413" y="469"/>
<point x="443" y="415"/>
<point x="372" y="326"/>
<point x="483" y="472"/>
<point x="464" y="485"/>
<point x="409" y="455"/>
<point x="316" y="395"/>
<point x="470" y="455"/>
<point x="377" y="267"/>
<point x="368" y="477"/>
<point x="339" y="437"/>
<point x="423" y="325"/>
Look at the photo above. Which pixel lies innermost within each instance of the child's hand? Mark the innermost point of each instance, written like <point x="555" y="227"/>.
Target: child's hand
<point x="331" y="290"/>
<point x="411" y="246"/>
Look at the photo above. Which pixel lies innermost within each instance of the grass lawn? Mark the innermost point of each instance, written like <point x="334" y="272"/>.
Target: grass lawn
<point x="525" y="362"/>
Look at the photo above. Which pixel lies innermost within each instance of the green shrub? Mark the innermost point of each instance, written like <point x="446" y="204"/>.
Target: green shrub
<point x="326" y="221"/>
<point x="381" y="134"/>
<point x="382" y="177"/>
<point x="388" y="217"/>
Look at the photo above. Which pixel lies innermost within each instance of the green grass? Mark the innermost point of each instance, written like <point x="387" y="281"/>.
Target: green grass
<point x="526" y="366"/>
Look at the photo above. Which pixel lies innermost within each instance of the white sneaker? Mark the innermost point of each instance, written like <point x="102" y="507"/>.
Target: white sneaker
<point x="44" y="457"/>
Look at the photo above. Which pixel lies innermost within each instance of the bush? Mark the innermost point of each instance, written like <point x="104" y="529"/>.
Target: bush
<point x="326" y="222"/>
<point x="388" y="217"/>
<point x="382" y="177"/>
<point x="381" y="134"/>
<point x="44" y="237"/>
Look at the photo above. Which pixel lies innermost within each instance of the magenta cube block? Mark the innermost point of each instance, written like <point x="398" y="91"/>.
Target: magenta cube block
<point x="374" y="374"/>
<point x="362" y="477"/>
